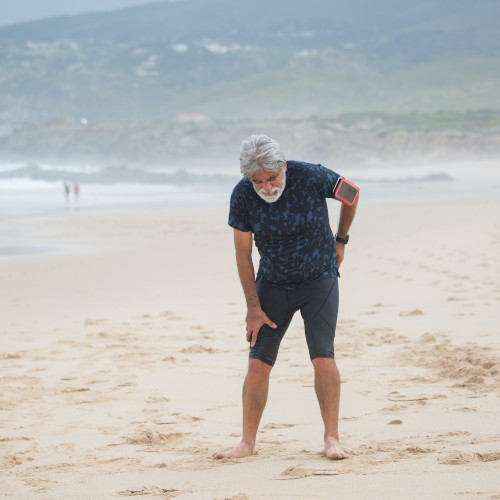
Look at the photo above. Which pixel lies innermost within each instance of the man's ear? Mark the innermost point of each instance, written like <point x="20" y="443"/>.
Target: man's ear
<point x="284" y="168"/>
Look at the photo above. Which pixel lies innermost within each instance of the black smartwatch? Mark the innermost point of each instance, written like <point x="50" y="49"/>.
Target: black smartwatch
<point x="342" y="240"/>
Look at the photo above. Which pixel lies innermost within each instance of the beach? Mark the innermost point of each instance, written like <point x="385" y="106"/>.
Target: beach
<point x="123" y="355"/>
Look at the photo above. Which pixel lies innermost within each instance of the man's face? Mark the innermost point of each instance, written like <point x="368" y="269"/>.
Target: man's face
<point x="269" y="185"/>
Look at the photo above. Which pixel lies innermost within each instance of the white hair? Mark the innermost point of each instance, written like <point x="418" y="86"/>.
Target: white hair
<point x="258" y="152"/>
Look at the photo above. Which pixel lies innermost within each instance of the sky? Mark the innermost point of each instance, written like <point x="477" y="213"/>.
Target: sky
<point x="18" y="11"/>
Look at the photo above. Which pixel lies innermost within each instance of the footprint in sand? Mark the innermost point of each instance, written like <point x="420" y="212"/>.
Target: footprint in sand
<point x="155" y="440"/>
<point x="461" y="277"/>
<point x="10" y="356"/>
<point x="272" y="425"/>
<point x="173" y="359"/>
<point x="196" y="349"/>
<point x="186" y="418"/>
<point x="76" y="389"/>
<point x="239" y="496"/>
<point x="395" y="396"/>
<point x="415" y="450"/>
<point x="91" y="322"/>
<point x="157" y="399"/>
<point x="152" y="491"/>
<point x="415" y="312"/>
<point x="171" y="316"/>
<point x="459" y="458"/>
<point x="11" y="461"/>
<point x="300" y="472"/>
<point x="349" y="419"/>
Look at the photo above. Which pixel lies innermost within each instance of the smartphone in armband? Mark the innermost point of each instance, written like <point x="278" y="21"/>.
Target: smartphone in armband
<point x="346" y="192"/>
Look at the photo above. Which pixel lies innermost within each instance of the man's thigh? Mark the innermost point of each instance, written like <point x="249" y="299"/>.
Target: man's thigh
<point x="319" y="311"/>
<point x="274" y="302"/>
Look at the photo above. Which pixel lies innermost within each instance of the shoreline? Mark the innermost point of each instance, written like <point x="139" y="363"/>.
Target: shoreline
<point x="22" y="238"/>
<point x="25" y="197"/>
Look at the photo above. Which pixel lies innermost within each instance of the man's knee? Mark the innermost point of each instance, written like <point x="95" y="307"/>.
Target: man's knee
<point x="257" y="369"/>
<point x="324" y="365"/>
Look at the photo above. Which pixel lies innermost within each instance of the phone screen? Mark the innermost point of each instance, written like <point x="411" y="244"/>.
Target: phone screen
<point x="347" y="192"/>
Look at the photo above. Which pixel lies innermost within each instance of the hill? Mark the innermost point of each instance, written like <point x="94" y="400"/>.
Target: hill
<point x="226" y="60"/>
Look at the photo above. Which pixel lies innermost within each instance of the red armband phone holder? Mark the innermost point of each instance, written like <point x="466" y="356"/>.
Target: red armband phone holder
<point x="346" y="192"/>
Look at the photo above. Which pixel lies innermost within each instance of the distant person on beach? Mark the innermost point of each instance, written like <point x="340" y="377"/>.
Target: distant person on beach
<point x="282" y="205"/>
<point x="76" y="190"/>
<point x="66" y="192"/>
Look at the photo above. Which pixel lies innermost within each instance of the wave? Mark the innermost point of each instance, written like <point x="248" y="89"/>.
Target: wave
<point x="112" y="175"/>
<point x="439" y="177"/>
<point x="126" y="175"/>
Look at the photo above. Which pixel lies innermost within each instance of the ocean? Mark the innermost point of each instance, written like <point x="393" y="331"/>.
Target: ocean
<point x="38" y="190"/>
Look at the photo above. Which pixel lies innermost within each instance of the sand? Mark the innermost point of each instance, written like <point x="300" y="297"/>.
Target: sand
<point x="123" y="355"/>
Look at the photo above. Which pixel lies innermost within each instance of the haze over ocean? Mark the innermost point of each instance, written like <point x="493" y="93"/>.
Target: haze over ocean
<point x="42" y="193"/>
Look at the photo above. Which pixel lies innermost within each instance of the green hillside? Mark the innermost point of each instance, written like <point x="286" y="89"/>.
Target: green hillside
<point x="232" y="60"/>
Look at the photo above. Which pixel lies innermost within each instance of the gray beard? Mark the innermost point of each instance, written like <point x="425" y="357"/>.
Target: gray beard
<point x="276" y="192"/>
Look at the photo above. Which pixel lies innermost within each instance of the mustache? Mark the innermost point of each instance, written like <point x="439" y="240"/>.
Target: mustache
<point x="274" y="190"/>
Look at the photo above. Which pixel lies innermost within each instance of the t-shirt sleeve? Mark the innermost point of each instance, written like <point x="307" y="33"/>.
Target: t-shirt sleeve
<point x="238" y="213"/>
<point x="325" y="180"/>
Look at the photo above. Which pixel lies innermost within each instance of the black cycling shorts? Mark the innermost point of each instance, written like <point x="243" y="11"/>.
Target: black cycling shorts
<point x="318" y="303"/>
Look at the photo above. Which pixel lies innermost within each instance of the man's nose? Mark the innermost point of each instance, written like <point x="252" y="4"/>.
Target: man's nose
<point x="268" y="186"/>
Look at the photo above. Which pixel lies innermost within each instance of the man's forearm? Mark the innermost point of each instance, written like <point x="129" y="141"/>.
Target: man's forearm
<point x="247" y="277"/>
<point x="346" y="217"/>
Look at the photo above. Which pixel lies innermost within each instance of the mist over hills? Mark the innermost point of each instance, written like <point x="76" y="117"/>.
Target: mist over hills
<point x="221" y="61"/>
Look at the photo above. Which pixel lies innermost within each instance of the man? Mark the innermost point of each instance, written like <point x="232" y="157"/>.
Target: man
<point x="282" y="205"/>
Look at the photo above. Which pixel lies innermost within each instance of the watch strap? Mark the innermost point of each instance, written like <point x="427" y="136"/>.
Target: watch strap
<point x="342" y="240"/>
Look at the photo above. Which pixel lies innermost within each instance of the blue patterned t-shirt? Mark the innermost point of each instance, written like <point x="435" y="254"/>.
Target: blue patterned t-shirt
<point x="293" y="235"/>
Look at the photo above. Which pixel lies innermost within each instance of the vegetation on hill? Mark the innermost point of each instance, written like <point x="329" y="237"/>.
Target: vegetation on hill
<point x="239" y="61"/>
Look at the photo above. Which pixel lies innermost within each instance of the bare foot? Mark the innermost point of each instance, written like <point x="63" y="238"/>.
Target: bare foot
<point x="240" y="451"/>
<point x="333" y="450"/>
